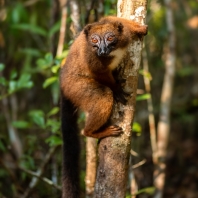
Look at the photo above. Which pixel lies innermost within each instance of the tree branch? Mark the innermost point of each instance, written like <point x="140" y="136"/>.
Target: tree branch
<point x="12" y="132"/>
<point x="44" y="179"/>
<point x="39" y="172"/>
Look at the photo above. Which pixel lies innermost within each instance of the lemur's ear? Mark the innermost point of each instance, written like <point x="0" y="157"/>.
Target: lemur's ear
<point x="119" y="26"/>
<point x="87" y="28"/>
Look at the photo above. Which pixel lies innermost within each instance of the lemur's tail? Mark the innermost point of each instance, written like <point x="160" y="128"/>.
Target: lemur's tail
<point x="71" y="150"/>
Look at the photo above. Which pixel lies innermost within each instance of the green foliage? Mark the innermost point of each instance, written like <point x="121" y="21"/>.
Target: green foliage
<point x="17" y="13"/>
<point x="13" y="84"/>
<point x="145" y="74"/>
<point x="148" y="190"/>
<point x="55" y="28"/>
<point x="49" y="81"/>
<point x="54" y="125"/>
<point x="143" y="97"/>
<point x="2" y="66"/>
<point x="30" y="52"/>
<point x="45" y="63"/>
<point x="21" y="124"/>
<point x="137" y="128"/>
<point x="2" y="146"/>
<point x="110" y="7"/>
<point x="30" y="28"/>
<point x="54" y="140"/>
<point x="54" y="111"/>
<point x="185" y="71"/>
<point x="37" y="116"/>
<point x="157" y="24"/>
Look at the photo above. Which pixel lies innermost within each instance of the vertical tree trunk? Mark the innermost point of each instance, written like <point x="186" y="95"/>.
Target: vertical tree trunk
<point x="164" y="120"/>
<point x="63" y="27"/>
<point x="151" y="117"/>
<point x="75" y="16"/>
<point x="114" y="151"/>
<point x="91" y="163"/>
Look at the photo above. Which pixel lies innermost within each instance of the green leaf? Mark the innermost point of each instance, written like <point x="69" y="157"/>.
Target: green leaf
<point x="30" y="51"/>
<point x="81" y="117"/>
<point x="63" y="55"/>
<point x="54" y="125"/>
<point x="54" y="140"/>
<point x="54" y="29"/>
<point x="20" y="124"/>
<point x="55" y="68"/>
<point x="13" y="74"/>
<point x="2" y="66"/>
<point x="148" y="190"/>
<point x="24" y="81"/>
<point x="12" y="86"/>
<point x="143" y="97"/>
<point x="31" y="28"/>
<point x="2" y="147"/>
<point x="3" y="81"/>
<point x="42" y="63"/>
<point x="49" y="58"/>
<point x="136" y="127"/>
<point x="37" y="117"/>
<point x="46" y="62"/>
<point x="55" y="91"/>
<point x="146" y="74"/>
<point x="54" y="111"/>
<point x="49" y="81"/>
<point x="27" y="161"/>
<point x="185" y="71"/>
<point x="18" y="13"/>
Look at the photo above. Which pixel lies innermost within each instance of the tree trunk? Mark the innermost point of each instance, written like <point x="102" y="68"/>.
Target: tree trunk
<point x="112" y="172"/>
<point x="91" y="163"/>
<point x="167" y="89"/>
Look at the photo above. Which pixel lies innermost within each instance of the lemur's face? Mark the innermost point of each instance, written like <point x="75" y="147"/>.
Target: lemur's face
<point x="103" y="38"/>
<point x="103" y="44"/>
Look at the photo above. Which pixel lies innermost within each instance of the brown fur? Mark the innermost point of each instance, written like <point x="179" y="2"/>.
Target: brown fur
<point x="87" y="80"/>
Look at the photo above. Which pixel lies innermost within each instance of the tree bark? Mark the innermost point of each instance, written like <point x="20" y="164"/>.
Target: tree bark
<point x="91" y="164"/>
<point x="112" y="172"/>
<point x="75" y="16"/>
<point x="163" y="129"/>
<point x="62" y="33"/>
<point x="151" y="117"/>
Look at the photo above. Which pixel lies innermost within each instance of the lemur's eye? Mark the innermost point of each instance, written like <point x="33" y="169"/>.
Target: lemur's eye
<point x="110" y="38"/>
<point x="94" y="40"/>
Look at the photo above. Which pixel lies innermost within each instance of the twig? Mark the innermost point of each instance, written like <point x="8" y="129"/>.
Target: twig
<point x="150" y="108"/>
<point x="139" y="164"/>
<point x="62" y="33"/>
<point x="134" y="153"/>
<point x="13" y="135"/>
<point x="39" y="172"/>
<point x="12" y="175"/>
<point x="46" y="180"/>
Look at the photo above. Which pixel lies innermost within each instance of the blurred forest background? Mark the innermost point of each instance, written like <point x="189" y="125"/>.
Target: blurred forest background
<point x="30" y="58"/>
